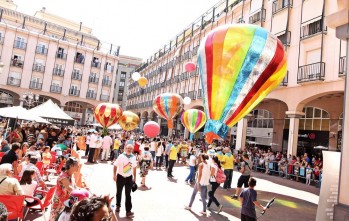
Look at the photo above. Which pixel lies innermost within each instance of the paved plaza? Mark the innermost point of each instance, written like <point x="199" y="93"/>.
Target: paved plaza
<point x="165" y="198"/>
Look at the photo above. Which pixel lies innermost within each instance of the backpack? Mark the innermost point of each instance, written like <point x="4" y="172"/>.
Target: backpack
<point x="220" y="177"/>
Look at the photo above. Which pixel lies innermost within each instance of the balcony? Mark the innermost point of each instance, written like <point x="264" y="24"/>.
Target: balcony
<point x="342" y="66"/>
<point x="61" y="55"/>
<point x="183" y="95"/>
<point x="109" y="68"/>
<point x="313" y="28"/>
<point x="74" y="92"/>
<point x="58" y="72"/>
<point x="195" y="50"/>
<point x="2" y="40"/>
<point x="279" y="5"/>
<point x="106" y="82"/>
<point x="17" y="63"/>
<point x="80" y="59"/>
<point x="120" y="98"/>
<point x="20" y="45"/>
<point x="194" y="73"/>
<point x="41" y="50"/>
<point x="91" y="95"/>
<point x="104" y="97"/>
<point x="257" y="17"/>
<point x="93" y="79"/>
<point x="311" y="72"/>
<point x="76" y="76"/>
<point x="184" y="76"/>
<point x="14" y="81"/>
<point x="186" y="55"/>
<point x="285" y="38"/>
<point x="284" y="82"/>
<point x="192" y="95"/>
<point x="200" y="95"/>
<point x="35" y="85"/>
<point x="95" y="64"/>
<point x="55" y="89"/>
<point x="39" y="68"/>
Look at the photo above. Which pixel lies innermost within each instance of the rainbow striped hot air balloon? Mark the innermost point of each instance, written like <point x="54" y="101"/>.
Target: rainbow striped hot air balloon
<point x="107" y="114"/>
<point x="167" y="106"/>
<point x="239" y="66"/>
<point x="193" y="120"/>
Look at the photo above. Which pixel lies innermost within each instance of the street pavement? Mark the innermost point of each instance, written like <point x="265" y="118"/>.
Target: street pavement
<point x="164" y="199"/>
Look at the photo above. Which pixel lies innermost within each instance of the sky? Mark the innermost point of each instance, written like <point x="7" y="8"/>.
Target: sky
<point x="139" y="27"/>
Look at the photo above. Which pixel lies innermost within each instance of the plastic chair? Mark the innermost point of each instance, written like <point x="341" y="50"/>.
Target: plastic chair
<point x="1" y="155"/>
<point x="44" y="203"/>
<point x="40" y="166"/>
<point x="14" y="205"/>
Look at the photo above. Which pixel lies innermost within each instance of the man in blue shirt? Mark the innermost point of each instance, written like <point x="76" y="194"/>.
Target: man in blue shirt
<point x="248" y="199"/>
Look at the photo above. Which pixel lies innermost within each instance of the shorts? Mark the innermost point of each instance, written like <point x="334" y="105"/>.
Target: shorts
<point x="247" y="218"/>
<point x="243" y="180"/>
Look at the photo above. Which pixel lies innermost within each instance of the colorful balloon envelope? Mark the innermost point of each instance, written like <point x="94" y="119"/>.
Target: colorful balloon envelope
<point x="128" y="121"/>
<point x="239" y="66"/>
<point x="142" y="82"/>
<point x="193" y="120"/>
<point x="167" y="106"/>
<point x="107" y="114"/>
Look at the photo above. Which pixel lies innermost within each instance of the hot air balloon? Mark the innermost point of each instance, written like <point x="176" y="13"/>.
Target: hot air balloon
<point x="151" y="129"/>
<point x="239" y="66"/>
<point x="129" y="120"/>
<point x="190" y="67"/>
<point x="107" y="114"/>
<point x="167" y="106"/>
<point x="193" y="120"/>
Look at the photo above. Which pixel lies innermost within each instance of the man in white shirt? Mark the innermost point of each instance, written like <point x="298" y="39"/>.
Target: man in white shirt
<point x="106" y="143"/>
<point x="124" y="175"/>
<point x="93" y="145"/>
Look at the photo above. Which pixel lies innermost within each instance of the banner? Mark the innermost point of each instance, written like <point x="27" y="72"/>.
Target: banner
<point x="329" y="185"/>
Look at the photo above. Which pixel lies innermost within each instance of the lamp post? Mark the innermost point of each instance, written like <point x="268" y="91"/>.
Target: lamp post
<point x="30" y="98"/>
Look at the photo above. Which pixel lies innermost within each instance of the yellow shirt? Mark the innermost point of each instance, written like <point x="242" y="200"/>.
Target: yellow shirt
<point x="220" y="156"/>
<point x="173" y="153"/>
<point x="228" y="162"/>
<point x="116" y="144"/>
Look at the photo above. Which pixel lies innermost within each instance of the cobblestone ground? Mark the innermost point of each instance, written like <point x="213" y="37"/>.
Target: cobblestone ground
<point x="164" y="199"/>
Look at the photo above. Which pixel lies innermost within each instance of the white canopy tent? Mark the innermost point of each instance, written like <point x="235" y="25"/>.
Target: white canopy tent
<point x="52" y="113"/>
<point x="112" y="127"/>
<point x="21" y="113"/>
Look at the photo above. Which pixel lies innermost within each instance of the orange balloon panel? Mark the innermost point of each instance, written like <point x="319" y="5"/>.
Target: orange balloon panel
<point x="129" y="120"/>
<point x="107" y="114"/>
<point x="142" y="82"/>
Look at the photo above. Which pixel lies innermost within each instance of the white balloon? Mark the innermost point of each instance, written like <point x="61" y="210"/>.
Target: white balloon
<point x="136" y="76"/>
<point x="187" y="100"/>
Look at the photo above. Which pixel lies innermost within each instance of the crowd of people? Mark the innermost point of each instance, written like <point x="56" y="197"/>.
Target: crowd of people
<point x="210" y="167"/>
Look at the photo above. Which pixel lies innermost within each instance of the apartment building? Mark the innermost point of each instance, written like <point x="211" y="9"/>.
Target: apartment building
<point x="57" y="59"/>
<point x="307" y="108"/>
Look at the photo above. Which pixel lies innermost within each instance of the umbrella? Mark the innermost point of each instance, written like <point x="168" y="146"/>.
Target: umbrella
<point x="21" y="113"/>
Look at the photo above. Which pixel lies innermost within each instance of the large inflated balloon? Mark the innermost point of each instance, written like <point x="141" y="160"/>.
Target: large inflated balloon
<point x="151" y="129"/>
<point x="190" y="67"/>
<point x="239" y="66"/>
<point x="193" y="120"/>
<point x="129" y="120"/>
<point x="142" y="82"/>
<point x="136" y="76"/>
<point x="107" y="114"/>
<point x="167" y="106"/>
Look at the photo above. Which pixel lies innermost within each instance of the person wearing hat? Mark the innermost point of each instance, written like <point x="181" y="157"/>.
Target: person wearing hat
<point x="246" y="168"/>
<point x="75" y="196"/>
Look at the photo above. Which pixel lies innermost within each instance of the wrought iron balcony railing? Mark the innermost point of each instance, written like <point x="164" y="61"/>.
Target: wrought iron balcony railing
<point x="311" y="72"/>
<point x="14" y="81"/>
<point x="58" y="72"/>
<point x="55" y="89"/>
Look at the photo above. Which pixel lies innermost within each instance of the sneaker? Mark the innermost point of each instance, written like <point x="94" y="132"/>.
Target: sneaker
<point x="129" y="214"/>
<point x="117" y="209"/>
<point x="203" y="213"/>
<point x="234" y="197"/>
<point x="219" y="209"/>
<point x="187" y="208"/>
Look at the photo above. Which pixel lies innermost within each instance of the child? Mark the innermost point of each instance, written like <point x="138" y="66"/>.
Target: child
<point x="75" y="196"/>
<point x="309" y="172"/>
<point x="248" y="199"/>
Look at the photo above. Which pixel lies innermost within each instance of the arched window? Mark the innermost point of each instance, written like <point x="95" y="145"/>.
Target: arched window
<point x="260" y="119"/>
<point x="315" y="119"/>
<point x="73" y="107"/>
<point x="5" y="99"/>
